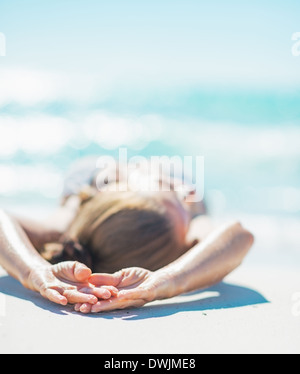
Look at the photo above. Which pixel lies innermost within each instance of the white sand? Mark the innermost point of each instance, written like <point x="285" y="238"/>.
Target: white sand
<point x="251" y="312"/>
<point x="255" y="310"/>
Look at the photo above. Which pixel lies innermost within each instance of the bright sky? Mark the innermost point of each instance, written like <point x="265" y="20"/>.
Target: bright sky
<point x="160" y="42"/>
<point x="93" y="51"/>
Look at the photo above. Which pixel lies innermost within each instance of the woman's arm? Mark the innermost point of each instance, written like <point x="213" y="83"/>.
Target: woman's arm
<point x="39" y="233"/>
<point x="64" y="215"/>
<point x="17" y="254"/>
<point x="207" y="263"/>
<point x="202" y="266"/>
<point x="61" y="283"/>
<point x="50" y="230"/>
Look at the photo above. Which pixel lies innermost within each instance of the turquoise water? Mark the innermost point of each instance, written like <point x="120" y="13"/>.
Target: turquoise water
<point x="250" y="141"/>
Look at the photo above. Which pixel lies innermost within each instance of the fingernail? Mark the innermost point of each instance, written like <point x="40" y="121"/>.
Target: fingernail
<point x="106" y="295"/>
<point x="77" y="307"/>
<point x="84" y="308"/>
<point x="63" y="301"/>
<point x="93" y="299"/>
<point x="94" y="309"/>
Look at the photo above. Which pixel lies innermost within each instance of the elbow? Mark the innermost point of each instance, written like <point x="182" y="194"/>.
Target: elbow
<point x="250" y="238"/>
<point x="247" y="235"/>
<point x="245" y="239"/>
<point x="238" y="227"/>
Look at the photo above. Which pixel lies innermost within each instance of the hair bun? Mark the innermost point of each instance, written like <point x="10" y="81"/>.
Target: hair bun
<point x="69" y="250"/>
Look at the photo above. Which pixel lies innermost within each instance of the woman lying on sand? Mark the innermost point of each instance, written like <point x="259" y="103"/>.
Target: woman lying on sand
<point x="110" y="246"/>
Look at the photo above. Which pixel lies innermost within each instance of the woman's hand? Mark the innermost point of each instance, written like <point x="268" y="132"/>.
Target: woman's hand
<point x="67" y="282"/>
<point x="205" y="264"/>
<point x="136" y="287"/>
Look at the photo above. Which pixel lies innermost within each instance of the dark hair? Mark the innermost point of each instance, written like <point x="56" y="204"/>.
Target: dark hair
<point x="114" y="230"/>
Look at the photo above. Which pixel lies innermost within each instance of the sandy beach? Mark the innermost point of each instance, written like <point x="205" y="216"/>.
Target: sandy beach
<point x="256" y="309"/>
<point x="251" y="312"/>
<point x="210" y="87"/>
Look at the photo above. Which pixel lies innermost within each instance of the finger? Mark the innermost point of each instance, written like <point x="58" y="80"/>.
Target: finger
<point x="113" y="290"/>
<point x="104" y="279"/>
<point x="72" y="269"/>
<point x="82" y="272"/>
<point x="136" y="293"/>
<point x="85" y="308"/>
<point x="133" y="294"/>
<point x="74" y="296"/>
<point x="104" y="305"/>
<point x="100" y="292"/>
<point x="114" y="304"/>
<point x="54" y="296"/>
<point x="77" y="307"/>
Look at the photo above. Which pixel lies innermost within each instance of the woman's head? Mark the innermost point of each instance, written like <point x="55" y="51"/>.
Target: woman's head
<point x="122" y="229"/>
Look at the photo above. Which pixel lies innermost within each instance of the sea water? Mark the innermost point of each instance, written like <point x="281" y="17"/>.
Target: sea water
<point x="250" y="141"/>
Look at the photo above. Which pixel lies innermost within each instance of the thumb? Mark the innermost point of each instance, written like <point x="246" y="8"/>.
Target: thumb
<point x="81" y="272"/>
<point x="104" y="279"/>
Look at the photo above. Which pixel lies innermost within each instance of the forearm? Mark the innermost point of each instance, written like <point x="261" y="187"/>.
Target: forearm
<point x="51" y="229"/>
<point x="38" y="233"/>
<point x="207" y="263"/>
<point x="17" y="254"/>
<point x="64" y="215"/>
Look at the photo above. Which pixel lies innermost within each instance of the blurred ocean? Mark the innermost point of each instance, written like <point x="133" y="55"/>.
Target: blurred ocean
<point x="250" y="141"/>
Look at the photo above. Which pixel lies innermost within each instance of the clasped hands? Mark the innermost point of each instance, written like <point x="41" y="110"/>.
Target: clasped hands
<point x="72" y="282"/>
